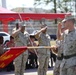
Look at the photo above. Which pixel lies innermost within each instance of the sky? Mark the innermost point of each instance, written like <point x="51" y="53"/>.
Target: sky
<point x="18" y="3"/>
<point x="10" y="4"/>
<point x="23" y="3"/>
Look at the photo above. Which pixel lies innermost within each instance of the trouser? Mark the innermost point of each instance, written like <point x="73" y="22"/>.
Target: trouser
<point x="43" y="64"/>
<point x="56" y="70"/>
<point x="20" y="64"/>
<point x="68" y="71"/>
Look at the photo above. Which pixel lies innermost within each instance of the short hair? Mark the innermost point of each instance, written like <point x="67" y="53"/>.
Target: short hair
<point x="1" y="39"/>
<point x="11" y="37"/>
<point x="43" y="25"/>
<point x="73" y="20"/>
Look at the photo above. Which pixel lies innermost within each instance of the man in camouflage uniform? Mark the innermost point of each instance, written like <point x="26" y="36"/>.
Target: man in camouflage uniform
<point x="59" y="51"/>
<point x="43" y="54"/>
<point x="21" y="39"/>
<point x="68" y="65"/>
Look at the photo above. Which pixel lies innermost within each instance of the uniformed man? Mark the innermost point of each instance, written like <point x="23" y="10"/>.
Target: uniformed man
<point x="21" y="39"/>
<point x="59" y="51"/>
<point x="68" y="65"/>
<point x="43" y="54"/>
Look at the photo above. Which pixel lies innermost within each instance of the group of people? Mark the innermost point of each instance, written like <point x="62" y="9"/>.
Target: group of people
<point x="22" y="38"/>
<point x="65" y="48"/>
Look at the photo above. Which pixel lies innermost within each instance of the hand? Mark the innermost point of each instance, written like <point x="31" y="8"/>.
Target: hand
<point x="54" y="49"/>
<point x="43" y="29"/>
<point x="59" y="25"/>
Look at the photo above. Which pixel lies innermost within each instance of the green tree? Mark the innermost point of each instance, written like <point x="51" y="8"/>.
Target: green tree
<point x="46" y="2"/>
<point x="62" y="5"/>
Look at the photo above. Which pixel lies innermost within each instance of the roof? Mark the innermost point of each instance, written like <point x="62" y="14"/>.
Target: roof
<point x="35" y="16"/>
<point x="3" y="10"/>
<point x="6" y="14"/>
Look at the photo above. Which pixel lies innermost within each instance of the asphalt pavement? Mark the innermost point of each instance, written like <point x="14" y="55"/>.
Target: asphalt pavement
<point x="27" y="72"/>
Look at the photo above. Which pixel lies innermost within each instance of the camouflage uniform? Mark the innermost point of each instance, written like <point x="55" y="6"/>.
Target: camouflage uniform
<point x="21" y="39"/>
<point x="68" y="65"/>
<point x="43" y="54"/>
<point x="56" y="70"/>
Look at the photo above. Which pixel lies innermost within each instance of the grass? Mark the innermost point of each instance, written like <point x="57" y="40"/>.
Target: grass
<point x="51" y="42"/>
<point x="50" y="74"/>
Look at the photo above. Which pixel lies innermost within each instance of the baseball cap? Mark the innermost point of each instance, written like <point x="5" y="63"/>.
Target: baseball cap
<point x="68" y="17"/>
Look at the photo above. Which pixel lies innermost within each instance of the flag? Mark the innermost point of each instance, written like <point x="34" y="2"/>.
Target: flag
<point x="10" y="55"/>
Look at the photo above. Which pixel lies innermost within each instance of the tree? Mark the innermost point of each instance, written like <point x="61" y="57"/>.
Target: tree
<point x="39" y="2"/>
<point x="62" y="5"/>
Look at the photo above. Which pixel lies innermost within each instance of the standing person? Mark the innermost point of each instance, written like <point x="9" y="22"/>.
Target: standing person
<point x="33" y="53"/>
<point x="43" y="54"/>
<point x="68" y="65"/>
<point x="11" y="43"/>
<point x="21" y="39"/>
<point x="59" y="51"/>
<point x="53" y="58"/>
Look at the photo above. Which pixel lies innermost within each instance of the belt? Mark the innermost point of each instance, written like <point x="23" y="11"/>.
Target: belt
<point x="60" y="58"/>
<point x="69" y="56"/>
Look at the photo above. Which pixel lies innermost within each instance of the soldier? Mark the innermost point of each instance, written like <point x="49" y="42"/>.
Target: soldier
<point x="68" y="65"/>
<point x="21" y="39"/>
<point x="59" y="52"/>
<point x="43" y="54"/>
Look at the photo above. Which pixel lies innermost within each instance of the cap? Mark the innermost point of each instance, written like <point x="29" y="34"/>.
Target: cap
<point x="68" y="17"/>
<point x="33" y="33"/>
<point x="32" y="36"/>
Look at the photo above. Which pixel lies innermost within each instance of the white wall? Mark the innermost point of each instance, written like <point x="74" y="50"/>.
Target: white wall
<point x="4" y="3"/>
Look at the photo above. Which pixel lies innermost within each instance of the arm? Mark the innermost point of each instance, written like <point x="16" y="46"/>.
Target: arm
<point x="55" y="48"/>
<point x="38" y="33"/>
<point x="15" y="32"/>
<point x="59" y="31"/>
